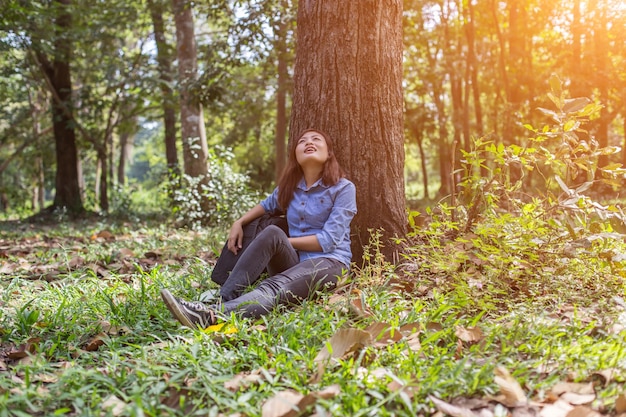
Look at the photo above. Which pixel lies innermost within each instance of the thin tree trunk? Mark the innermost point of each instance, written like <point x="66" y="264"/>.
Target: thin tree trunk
<point x="281" y="102"/>
<point x="126" y="144"/>
<point x="165" y="75"/>
<point x="195" y="149"/>
<point x="417" y="131"/>
<point x="104" y="183"/>
<point x="41" y="184"/>
<point x="601" y="51"/>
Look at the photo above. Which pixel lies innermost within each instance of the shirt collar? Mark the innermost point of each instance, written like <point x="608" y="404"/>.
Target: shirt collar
<point x="302" y="184"/>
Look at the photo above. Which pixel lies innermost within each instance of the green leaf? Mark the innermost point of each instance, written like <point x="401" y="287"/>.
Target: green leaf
<point x="558" y="101"/>
<point x="562" y="184"/>
<point x="556" y="84"/>
<point x="590" y="109"/>
<point x="573" y="105"/>
<point x="610" y="150"/>
<point x="530" y="127"/>
<point x="584" y="187"/>
<point x="611" y="167"/>
<point x="554" y="115"/>
<point x="571" y="125"/>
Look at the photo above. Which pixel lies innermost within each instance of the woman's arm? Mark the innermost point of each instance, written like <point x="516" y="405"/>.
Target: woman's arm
<point x="306" y="243"/>
<point x="337" y="225"/>
<point x="235" y="235"/>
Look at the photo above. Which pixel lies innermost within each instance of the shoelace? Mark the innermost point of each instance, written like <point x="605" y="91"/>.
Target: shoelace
<point x="196" y="305"/>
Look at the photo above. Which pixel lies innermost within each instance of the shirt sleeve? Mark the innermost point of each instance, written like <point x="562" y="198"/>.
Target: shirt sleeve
<point x="270" y="204"/>
<point x="337" y="227"/>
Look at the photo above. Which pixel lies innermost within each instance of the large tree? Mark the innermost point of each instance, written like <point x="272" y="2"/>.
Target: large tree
<point x="348" y="83"/>
<point x="57" y="73"/>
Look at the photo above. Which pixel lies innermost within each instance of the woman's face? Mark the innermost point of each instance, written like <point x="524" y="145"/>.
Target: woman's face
<point x="311" y="148"/>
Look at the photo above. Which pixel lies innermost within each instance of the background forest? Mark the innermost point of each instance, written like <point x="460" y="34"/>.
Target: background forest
<point x="500" y="125"/>
<point x="471" y="70"/>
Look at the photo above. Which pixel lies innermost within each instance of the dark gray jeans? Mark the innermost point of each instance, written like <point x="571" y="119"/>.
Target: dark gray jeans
<point x="289" y="279"/>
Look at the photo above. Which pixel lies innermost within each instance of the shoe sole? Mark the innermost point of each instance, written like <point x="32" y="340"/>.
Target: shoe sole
<point x="172" y="306"/>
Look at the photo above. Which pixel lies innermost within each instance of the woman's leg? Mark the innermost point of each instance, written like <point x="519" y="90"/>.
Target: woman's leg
<point x="227" y="260"/>
<point x="292" y="285"/>
<point x="270" y="249"/>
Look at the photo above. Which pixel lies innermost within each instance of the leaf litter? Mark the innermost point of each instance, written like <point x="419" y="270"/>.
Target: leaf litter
<point x="565" y="398"/>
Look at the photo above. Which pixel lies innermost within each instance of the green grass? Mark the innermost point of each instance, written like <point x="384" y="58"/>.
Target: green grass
<point x="558" y="324"/>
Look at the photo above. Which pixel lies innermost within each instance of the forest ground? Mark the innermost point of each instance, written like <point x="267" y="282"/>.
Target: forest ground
<point x="508" y="319"/>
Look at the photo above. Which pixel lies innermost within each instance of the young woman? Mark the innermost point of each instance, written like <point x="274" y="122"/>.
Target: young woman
<point x="319" y="203"/>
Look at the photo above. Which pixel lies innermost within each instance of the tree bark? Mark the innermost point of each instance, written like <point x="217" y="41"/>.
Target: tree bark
<point x="126" y="146"/>
<point x="67" y="194"/>
<point x="348" y="83"/>
<point x="281" y="101"/>
<point x="165" y="74"/>
<point x="195" y="149"/>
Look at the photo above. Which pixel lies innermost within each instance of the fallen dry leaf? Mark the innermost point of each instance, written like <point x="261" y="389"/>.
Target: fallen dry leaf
<point x="469" y="334"/>
<point x="413" y="342"/>
<point x="558" y="409"/>
<point x="578" y="399"/>
<point x="25" y="349"/>
<point x="582" y="411"/>
<point x="620" y="404"/>
<point x="605" y="376"/>
<point x="410" y="328"/>
<point x="288" y="403"/>
<point x="243" y="380"/>
<point x="126" y="253"/>
<point x="383" y="334"/>
<point x="575" y="387"/>
<point x="359" y="308"/>
<point x="513" y="393"/>
<point x="452" y="410"/>
<point x="434" y="326"/>
<point x="114" y="405"/>
<point x="344" y="342"/>
<point x="328" y="392"/>
<point x="95" y="342"/>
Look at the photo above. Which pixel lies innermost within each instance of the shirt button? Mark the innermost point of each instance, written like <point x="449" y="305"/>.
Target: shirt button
<point x="302" y="203"/>
<point x="301" y="218"/>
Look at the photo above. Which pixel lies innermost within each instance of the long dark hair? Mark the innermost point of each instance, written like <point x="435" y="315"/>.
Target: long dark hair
<point x="292" y="174"/>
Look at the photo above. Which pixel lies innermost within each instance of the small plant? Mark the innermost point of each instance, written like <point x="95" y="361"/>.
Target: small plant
<point x="226" y="192"/>
<point x="26" y="318"/>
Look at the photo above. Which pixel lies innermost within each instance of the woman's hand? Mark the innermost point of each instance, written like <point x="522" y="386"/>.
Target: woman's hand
<point x="235" y="237"/>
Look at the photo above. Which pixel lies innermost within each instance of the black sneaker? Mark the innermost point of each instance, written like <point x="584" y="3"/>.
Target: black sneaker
<point x="190" y="313"/>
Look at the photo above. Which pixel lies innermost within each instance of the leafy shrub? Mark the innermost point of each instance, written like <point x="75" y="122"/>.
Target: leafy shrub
<point x="217" y="200"/>
<point x="505" y="238"/>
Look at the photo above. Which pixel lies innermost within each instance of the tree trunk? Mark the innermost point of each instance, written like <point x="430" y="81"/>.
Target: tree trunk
<point x="67" y="194"/>
<point x="126" y="145"/>
<point x="601" y="79"/>
<point x="348" y="83"/>
<point x="165" y="74"/>
<point x="104" y="175"/>
<point x="281" y="101"/>
<point x="417" y="130"/>
<point x="41" y="184"/>
<point x="579" y="85"/>
<point x="37" y="103"/>
<point x="195" y="149"/>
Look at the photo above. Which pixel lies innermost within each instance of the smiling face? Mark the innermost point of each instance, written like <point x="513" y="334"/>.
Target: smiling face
<point x="311" y="148"/>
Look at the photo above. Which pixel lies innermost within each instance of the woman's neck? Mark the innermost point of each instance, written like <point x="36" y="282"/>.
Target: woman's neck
<point x="311" y="175"/>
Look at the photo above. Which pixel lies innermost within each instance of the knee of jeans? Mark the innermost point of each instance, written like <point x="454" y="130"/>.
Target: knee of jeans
<point x="271" y="230"/>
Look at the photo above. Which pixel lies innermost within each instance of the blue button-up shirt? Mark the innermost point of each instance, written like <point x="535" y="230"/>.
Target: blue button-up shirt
<point x="323" y="211"/>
